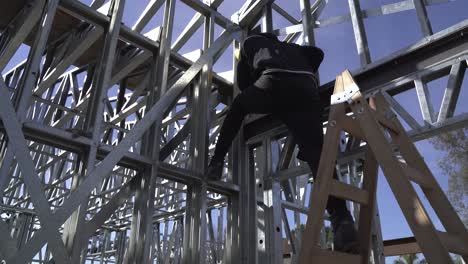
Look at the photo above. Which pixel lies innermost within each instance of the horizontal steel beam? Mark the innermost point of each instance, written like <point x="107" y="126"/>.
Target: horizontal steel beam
<point x="78" y="144"/>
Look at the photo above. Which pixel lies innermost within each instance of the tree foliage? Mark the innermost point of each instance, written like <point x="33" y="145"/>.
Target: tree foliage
<point x="409" y="259"/>
<point x="455" y="166"/>
<point x="414" y="259"/>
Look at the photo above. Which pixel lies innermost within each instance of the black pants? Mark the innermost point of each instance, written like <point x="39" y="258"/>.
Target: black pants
<point x="293" y="99"/>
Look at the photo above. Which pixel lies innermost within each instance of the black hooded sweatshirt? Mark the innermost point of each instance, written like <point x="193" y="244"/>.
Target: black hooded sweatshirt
<point x="263" y="53"/>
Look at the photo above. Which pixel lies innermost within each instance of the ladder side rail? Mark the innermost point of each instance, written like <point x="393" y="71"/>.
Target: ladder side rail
<point x="322" y="183"/>
<point x="407" y="198"/>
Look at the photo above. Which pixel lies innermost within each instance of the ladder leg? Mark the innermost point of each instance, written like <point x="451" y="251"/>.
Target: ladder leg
<point x="319" y="196"/>
<point x="412" y="208"/>
<point x="366" y="213"/>
<point x="436" y="196"/>
<point x="322" y="183"/>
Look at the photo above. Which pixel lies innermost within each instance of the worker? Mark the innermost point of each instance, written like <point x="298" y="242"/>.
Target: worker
<point x="279" y="78"/>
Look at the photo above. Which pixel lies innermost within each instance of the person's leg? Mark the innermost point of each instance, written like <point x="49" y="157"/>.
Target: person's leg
<point x="344" y="231"/>
<point x="308" y="134"/>
<point x="301" y="111"/>
<point x="251" y="100"/>
<point x="306" y="128"/>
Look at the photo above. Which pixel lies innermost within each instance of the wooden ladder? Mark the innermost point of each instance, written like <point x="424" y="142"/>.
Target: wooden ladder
<point x="374" y="122"/>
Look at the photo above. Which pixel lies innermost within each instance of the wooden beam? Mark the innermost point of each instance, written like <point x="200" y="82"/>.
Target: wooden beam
<point x="401" y="246"/>
<point x="348" y="192"/>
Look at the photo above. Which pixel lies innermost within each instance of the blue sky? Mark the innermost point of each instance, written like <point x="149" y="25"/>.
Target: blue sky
<point x="386" y="34"/>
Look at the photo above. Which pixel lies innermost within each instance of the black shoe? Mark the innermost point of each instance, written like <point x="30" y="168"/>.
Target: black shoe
<point x="345" y="237"/>
<point x="215" y="170"/>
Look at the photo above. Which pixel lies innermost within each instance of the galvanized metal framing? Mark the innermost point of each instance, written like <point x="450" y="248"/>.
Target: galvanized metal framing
<point x="106" y="132"/>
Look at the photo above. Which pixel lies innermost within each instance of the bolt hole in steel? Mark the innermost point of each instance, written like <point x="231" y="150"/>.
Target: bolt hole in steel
<point x="261" y="241"/>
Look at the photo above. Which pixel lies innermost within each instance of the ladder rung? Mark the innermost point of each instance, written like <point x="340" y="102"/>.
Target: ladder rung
<point x="401" y="246"/>
<point x="409" y="245"/>
<point x="348" y="192"/>
<point x="333" y="257"/>
<point x="454" y="243"/>
<point x="416" y="176"/>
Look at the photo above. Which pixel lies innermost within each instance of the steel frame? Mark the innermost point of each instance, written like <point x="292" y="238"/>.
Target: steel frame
<point x="106" y="132"/>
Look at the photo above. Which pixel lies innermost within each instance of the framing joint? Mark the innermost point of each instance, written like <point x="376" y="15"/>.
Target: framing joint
<point x="345" y="96"/>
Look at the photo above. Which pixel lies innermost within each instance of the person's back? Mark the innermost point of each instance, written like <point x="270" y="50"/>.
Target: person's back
<point x="264" y="53"/>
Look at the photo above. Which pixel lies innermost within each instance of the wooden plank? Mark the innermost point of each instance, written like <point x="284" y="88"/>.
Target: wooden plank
<point x="409" y="245"/>
<point x="322" y="185"/>
<point x="401" y="246"/>
<point x="348" y="192"/>
<point x="366" y="212"/>
<point x="384" y="121"/>
<point x="350" y="126"/>
<point x="339" y="86"/>
<point x="455" y="243"/>
<point x="333" y="257"/>
<point x="416" y="176"/>
<point x="349" y="81"/>
<point x="436" y="196"/>
<point x="409" y="202"/>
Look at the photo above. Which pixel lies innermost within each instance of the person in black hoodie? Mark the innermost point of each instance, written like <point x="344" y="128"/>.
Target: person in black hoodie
<point x="279" y="78"/>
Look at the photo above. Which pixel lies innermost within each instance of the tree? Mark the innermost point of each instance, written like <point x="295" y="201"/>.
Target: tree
<point x="455" y="166"/>
<point x="409" y="259"/>
<point x="413" y="259"/>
